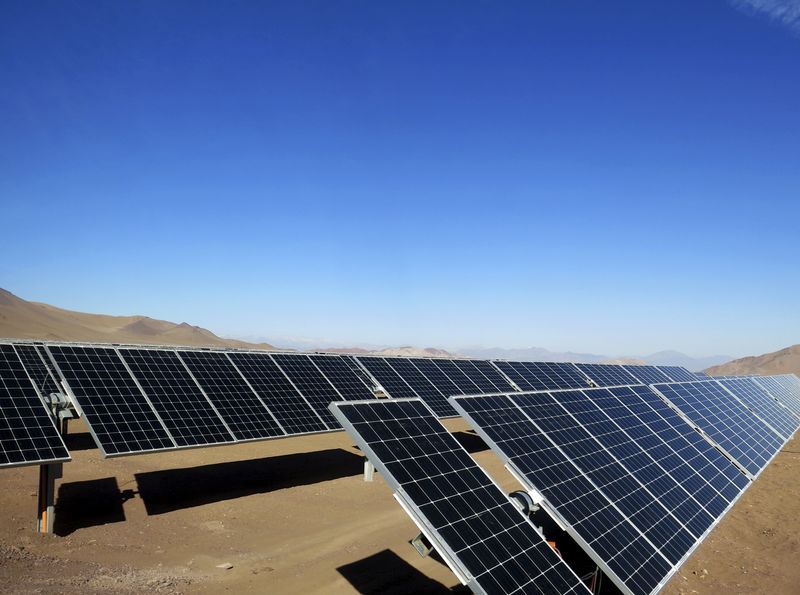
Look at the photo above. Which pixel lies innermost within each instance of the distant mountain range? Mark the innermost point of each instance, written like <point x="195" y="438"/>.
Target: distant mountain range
<point x="661" y="358"/>
<point x="785" y="361"/>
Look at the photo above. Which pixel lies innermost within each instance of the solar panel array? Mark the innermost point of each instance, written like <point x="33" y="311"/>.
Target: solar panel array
<point x="763" y="405"/>
<point x="784" y="388"/>
<point x="677" y="373"/>
<point x="28" y="435"/>
<point x="543" y="375"/>
<point x="725" y="420"/>
<point x="647" y="374"/>
<point x="483" y="537"/>
<point x="628" y="478"/>
<point x="607" y="374"/>
<point x="38" y="369"/>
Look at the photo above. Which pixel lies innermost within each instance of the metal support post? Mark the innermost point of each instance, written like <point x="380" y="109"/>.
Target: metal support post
<point x="47" y="496"/>
<point x="369" y="470"/>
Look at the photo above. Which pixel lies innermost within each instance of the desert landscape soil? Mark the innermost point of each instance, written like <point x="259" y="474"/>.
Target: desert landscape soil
<point x="295" y="516"/>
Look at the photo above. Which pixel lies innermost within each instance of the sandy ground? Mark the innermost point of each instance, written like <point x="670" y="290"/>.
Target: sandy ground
<point x="295" y="516"/>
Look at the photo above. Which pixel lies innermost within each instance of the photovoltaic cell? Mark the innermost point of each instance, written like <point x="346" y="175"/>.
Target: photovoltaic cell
<point x="118" y="414"/>
<point x="38" y="369"/>
<point x="28" y="435"/>
<point x="726" y="421"/>
<point x="615" y="543"/>
<point x="469" y="382"/>
<point x="235" y="401"/>
<point x="436" y="377"/>
<point x="487" y="370"/>
<point x="647" y="374"/>
<point x="677" y="373"/>
<point x="290" y="408"/>
<point x="607" y="374"/>
<point x="390" y="380"/>
<point x="784" y="388"/>
<point x="472" y="522"/>
<point x="553" y="375"/>
<point x="311" y="383"/>
<point x="423" y="387"/>
<point x="179" y="402"/>
<point x="339" y="373"/>
<point x="516" y="372"/>
<point x="760" y="402"/>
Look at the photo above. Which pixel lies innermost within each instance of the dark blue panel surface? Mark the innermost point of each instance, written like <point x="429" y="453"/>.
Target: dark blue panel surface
<point x="761" y="403"/>
<point x="647" y="374"/>
<point x="607" y="374"/>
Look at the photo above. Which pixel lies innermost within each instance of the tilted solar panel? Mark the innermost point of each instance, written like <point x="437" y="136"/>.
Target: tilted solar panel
<point x="487" y="370"/>
<point x="119" y="416"/>
<point x="555" y="375"/>
<point x="183" y="408"/>
<point x="761" y="403"/>
<point x="38" y="369"/>
<point x="607" y="374"/>
<point x="436" y="377"/>
<point x="236" y="402"/>
<point x="292" y="410"/>
<point x="647" y="374"/>
<point x="677" y="373"/>
<point x="423" y="387"/>
<point x="482" y="536"/>
<point x="391" y="382"/>
<point x="310" y="382"/>
<point x="726" y="421"/>
<point x="468" y="380"/>
<point x="28" y="435"/>
<point x="785" y="388"/>
<point x="343" y="377"/>
<point x="515" y="372"/>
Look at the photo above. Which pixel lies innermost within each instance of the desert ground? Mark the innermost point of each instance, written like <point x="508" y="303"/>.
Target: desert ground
<point x="295" y="516"/>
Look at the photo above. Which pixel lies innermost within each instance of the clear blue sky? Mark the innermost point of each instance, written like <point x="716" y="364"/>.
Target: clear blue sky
<point x="614" y="177"/>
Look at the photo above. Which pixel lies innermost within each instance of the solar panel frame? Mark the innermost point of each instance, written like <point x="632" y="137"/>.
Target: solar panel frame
<point x="722" y="433"/>
<point x="28" y="433"/>
<point x="349" y="385"/>
<point x="440" y="542"/>
<point x="510" y="370"/>
<point x="392" y="383"/>
<point x="761" y="403"/>
<point x="128" y="426"/>
<point x="307" y="378"/>
<point x="585" y="494"/>
<point x="39" y="369"/>
<point x="784" y="388"/>
<point x="423" y="387"/>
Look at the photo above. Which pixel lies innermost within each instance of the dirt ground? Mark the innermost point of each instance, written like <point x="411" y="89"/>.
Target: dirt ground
<point x="295" y="516"/>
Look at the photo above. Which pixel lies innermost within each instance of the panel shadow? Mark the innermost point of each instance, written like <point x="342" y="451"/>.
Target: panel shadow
<point x="82" y="504"/>
<point x="80" y="441"/>
<point x="386" y="573"/>
<point x="470" y="441"/>
<point x="176" y="489"/>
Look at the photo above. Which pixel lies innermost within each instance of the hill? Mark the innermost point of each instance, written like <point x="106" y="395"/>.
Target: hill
<point x="21" y="319"/>
<point x="785" y="361"/>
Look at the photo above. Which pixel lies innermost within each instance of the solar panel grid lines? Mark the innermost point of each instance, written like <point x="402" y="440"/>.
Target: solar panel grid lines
<point x="604" y="375"/>
<point x="344" y="379"/>
<point x="468" y="379"/>
<point x="569" y="495"/>
<point x="556" y="375"/>
<point x="118" y="414"/>
<point x="747" y="440"/>
<point x="436" y="376"/>
<point x="761" y="403"/>
<point x="647" y="374"/>
<point x="235" y="400"/>
<point x="38" y="369"/>
<point x="489" y="544"/>
<point x="783" y="388"/>
<point x="515" y="372"/>
<point x="677" y="373"/>
<point x="182" y="406"/>
<point x="28" y="434"/>
<point x="390" y="381"/>
<point x="423" y="387"/>
<point x="289" y="406"/>
<point x="489" y="371"/>
<point x="311" y="383"/>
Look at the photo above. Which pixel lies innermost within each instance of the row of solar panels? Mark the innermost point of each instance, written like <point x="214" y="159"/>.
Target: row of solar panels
<point x="146" y="399"/>
<point x="638" y="475"/>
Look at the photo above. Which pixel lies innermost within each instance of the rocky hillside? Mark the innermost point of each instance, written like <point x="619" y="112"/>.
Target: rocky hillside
<point x="785" y="361"/>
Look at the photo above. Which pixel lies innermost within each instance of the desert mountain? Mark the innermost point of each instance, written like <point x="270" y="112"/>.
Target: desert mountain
<point x="21" y="319"/>
<point x="785" y="361"/>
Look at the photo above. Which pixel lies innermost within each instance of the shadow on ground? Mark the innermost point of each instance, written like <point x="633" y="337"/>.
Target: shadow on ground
<point x="82" y="504"/>
<point x="80" y="441"/>
<point x="387" y="573"/>
<point x="470" y="441"/>
<point x="176" y="489"/>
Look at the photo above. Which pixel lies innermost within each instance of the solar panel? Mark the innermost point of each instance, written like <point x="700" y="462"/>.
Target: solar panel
<point x="292" y="410"/>
<point x="179" y="402"/>
<point x="726" y="421"/>
<point x="783" y="388"/>
<point x="28" y="435"/>
<point x="515" y="372"/>
<point x="390" y="381"/>
<point x="436" y="377"/>
<point x="554" y="375"/>
<point x="677" y="373"/>
<point x="236" y="402"/>
<point x="607" y="374"/>
<point x="647" y="374"/>
<point x="626" y="555"/>
<point x="468" y="380"/>
<point x="339" y="373"/>
<point x="423" y="387"/>
<point x="311" y="383"/>
<point x="760" y="402"/>
<point x="38" y="369"/>
<point x="119" y="416"/>
<point x="484" y="538"/>
<point x="486" y="369"/>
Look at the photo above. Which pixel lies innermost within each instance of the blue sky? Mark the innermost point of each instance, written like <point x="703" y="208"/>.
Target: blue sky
<point x="611" y="177"/>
